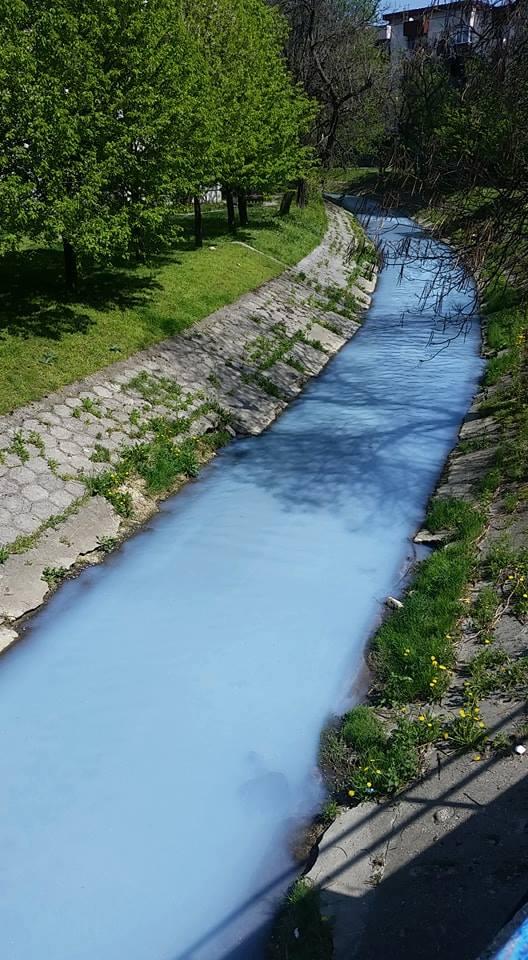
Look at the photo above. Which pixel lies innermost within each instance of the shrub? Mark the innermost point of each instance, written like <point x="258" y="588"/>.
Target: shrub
<point x="362" y="730"/>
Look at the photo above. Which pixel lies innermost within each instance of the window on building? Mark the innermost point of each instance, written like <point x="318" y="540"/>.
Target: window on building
<point x="462" y="34"/>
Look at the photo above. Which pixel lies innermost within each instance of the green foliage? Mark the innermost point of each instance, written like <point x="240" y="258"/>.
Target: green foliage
<point x="362" y="729"/>
<point x="329" y="812"/>
<point x="161" y="462"/>
<point x="107" y="544"/>
<point x="485" y="607"/>
<point x="260" y="115"/>
<point x="53" y="575"/>
<point x="413" y="650"/>
<point x="467" y="729"/>
<point x="112" y="113"/>
<point x="381" y="763"/>
<point x="300" y="932"/>
<point x="457" y="516"/>
<point x="509" y="570"/>
<point x="100" y="454"/>
<point x="493" y="671"/>
<point x="18" y="447"/>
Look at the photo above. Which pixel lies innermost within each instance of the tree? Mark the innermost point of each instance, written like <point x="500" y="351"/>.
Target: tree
<point x="96" y="106"/>
<point x="260" y="115"/>
<point x="332" y="51"/>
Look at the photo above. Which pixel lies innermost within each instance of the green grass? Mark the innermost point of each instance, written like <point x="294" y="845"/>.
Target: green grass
<point x="373" y="760"/>
<point x="493" y="671"/>
<point x="352" y="179"/>
<point x="300" y="932"/>
<point x="413" y="650"/>
<point x="48" y="339"/>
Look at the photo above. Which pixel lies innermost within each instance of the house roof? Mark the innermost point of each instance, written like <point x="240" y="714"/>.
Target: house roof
<point x="454" y="5"/>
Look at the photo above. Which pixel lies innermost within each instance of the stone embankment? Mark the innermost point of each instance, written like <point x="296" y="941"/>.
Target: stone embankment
<point x="231" y="374"/>
<point x="436" y="871"/>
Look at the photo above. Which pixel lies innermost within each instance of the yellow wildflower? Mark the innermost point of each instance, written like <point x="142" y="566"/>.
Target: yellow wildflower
<point x="462" y="712"/>
<point x="351" y="793"/>
<point x="369" y="783"/>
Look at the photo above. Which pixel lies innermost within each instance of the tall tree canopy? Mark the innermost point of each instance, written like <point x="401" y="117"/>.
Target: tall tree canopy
<point x="113" y="111"/>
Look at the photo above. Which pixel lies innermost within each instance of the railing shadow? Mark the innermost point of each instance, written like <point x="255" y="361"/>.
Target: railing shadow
<point x="444" y="913"/>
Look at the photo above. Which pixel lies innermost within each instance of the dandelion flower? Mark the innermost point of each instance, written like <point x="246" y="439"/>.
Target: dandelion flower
<point x="351" y="793"/>
<point x="369" y="784"/>
<point x="421" y="717"/>
<point x="477" y="757"/>
<point x="462" y="712"/>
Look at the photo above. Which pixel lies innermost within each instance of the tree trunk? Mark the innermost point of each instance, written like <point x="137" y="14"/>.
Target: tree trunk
<point x="70" y="265"/>
<point x="286" y="203"/>
<point x="302" y="193"/>
<point x="242" y="208"/>
<point x="231" y="222"/>
<point x="198" y="228"/>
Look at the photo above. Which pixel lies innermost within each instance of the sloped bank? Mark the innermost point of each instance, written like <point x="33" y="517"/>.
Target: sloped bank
<point x="82" y="468"/>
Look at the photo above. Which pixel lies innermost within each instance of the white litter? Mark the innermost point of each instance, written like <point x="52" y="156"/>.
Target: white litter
<point x="395" y="604"/>
<point x="520" y="749"/>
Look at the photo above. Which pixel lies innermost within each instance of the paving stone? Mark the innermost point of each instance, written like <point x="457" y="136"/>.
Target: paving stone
<point x="60" y="433"/>
<point x="21" y="475"/>
<point x="61" y="499"/>
<point x="38" y="465"/>
<point x="7" y="534"/>
<point x="43" y="510"/>
<point x="34" y="492"/>
<point x="77" y="489"/>
<point x="14" y="503"/>
<point x="69" y="447"/>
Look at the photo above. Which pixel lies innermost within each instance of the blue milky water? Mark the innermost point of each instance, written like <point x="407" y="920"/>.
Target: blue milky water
<point x="159" y="723"/>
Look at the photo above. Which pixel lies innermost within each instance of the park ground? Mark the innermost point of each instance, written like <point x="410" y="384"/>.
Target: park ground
<point x="49" y="338"/>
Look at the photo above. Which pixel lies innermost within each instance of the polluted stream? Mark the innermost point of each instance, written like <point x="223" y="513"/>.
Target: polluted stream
<point x="160" y="720"/>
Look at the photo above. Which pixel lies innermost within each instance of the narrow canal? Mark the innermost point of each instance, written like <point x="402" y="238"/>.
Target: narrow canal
<point x="159" y="722"/>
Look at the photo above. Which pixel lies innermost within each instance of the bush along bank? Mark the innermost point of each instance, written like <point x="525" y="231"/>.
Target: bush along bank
<point x="447" y="665"/>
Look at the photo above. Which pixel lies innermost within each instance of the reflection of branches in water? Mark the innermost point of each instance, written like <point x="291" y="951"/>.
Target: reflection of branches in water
<point x="447" y="274"/>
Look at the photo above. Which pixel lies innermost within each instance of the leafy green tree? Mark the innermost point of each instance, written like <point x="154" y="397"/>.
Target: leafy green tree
<point x="260" y="115"/>
<point x="97" y="122"/>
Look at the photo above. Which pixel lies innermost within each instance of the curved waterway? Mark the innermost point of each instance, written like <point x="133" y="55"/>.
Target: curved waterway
<point x="159" y="722"/>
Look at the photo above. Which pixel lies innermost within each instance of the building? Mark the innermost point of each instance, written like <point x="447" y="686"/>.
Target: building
<point x="457" y="26"/>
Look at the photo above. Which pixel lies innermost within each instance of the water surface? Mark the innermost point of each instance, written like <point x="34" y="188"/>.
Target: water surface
<point x="159" y="723"/>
